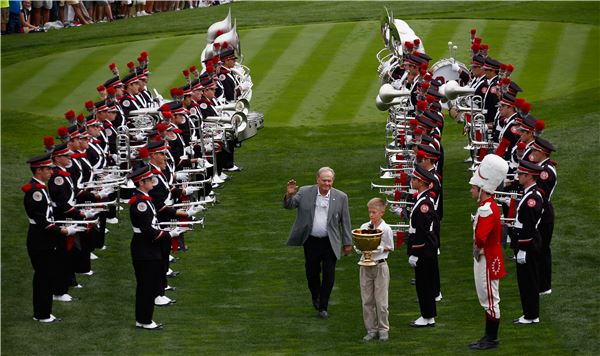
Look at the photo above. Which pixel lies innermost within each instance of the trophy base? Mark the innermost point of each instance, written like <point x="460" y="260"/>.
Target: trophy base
<point x="367" y="263"/>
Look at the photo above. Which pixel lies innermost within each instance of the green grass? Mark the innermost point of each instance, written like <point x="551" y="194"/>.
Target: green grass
<point x="241" y="289"/>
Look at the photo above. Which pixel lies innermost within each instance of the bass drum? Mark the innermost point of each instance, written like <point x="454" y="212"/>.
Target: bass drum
<point x="442" y="70"/>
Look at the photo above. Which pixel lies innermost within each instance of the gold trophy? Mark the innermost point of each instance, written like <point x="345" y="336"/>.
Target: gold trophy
<point x="367" y="240"/>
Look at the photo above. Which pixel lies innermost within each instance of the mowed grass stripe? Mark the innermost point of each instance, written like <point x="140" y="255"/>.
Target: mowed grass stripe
<point x="325" y="89"/>
<point x="184" y="50"/>
<point x="564" y="66"/>
<point x="271" y="52"/>
<point x="346" y="102"/>
<point x="63" y="85"/>
<point x="36" y="87"/>
<point x="515" y="49"/>
<point x="120" y="55"/>
<point x="588" y="70"/>
<point x="12" y="76"/>
<point x="253" y="43"/>
<point x="308" y="73"/>
<point x="543" y="47"/>
<point x="284" y="69"/>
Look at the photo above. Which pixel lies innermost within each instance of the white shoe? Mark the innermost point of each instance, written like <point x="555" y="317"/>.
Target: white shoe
<point x="439" y="297"/>
<point x="522" y="320"/>
<point x="232" y="169"/>
<point x="423" y="322"/>
<point x="62" y="298"/>
<point x="103" y="248"/>
<point x="170" y="288"/>
<point x="143" y="13"/>
<point x="171" y="258"/>
<point x="439" y="252"/>
<point x="90" y="273"/>
<point x="106" y="231"/>
<point x="224" y="176"/>
<point x="162" y="300"/>
<point x="93" y="256"/>
<point x="51" y="319"/>
<point x="79" y="286"/>
<point x="112" y="221"/>
<point x="546" y="292"/>
<point x="152" y="326"/>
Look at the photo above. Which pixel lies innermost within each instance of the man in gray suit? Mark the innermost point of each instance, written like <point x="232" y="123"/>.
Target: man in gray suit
<point x="322" y="226"/>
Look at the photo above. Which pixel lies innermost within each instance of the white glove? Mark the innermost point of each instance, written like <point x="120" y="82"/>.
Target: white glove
<point x="412" y="261"/>
<point x="245" y="86"/>
<point x="73" y="229"/>
<point x="190" y="190"/>
<point x="193" y="210"/>
<point x="357" y="250"/>
<point x="105" y="192"/>
<point x="180" y="176"/>
<point x="159" y="99"/>
<point x="189" y="150"/>
<point x="140" y="137"/>
<point x="90" y="213"/>
<point x="455" y="67"/>
<point x="521" y="257"/>
<point x="176" y="231"/>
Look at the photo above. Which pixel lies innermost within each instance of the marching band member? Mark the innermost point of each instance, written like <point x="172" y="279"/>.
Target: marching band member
<point x="42" y="237"/>
<point x="225" y="76"/>
<point x="422" y="246"/>
<point x="488" y="262"/>
<point x="146" y="254"/>
<point x="546" y="183"/>
<point x="526" y="240"/>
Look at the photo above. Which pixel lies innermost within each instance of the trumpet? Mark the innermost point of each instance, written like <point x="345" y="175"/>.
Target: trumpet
<point x="184" y="224"/>
<point x="400" y="202"/>
<point x="389" y="189"/>
<point x="399" y="227"/>
<point x="194" y="182"/>
<point x="101" y="204"/>
<point x="76" y="222"/>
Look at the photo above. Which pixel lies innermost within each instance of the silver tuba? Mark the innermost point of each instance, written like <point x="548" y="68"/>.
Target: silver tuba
<point x="219" y="28"/>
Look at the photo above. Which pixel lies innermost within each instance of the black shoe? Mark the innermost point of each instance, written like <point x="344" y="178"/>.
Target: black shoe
<point x="323" y="314"/>
<point x="315" y="303"/>
<point x="485" y="344"/>
<point x="478" y="341"/>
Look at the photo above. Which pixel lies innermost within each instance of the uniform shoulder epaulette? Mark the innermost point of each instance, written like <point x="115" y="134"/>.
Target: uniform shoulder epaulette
<point x="146" y="197"/>
<point x="64" y="173"/>
<point x="40" y="186"/>
<point x="432" y="194"/>
<point x="156" y="171"/>
<point x="485" y="210"/>
<point x="27" y="187"/>
<point x="132" y="200"/>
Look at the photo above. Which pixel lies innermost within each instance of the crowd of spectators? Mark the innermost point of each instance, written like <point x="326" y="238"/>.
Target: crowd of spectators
<point x="40" y="16"/>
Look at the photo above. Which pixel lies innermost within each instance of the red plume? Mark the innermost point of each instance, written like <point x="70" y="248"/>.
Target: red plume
<point x="418" y="131"/>
<point x="167" y="115"/>
<point x="417" y="42"/>
<point x="425" y="85"/>
<point x="484" y="46"/>
<point x="100" y="88"/>
<point x="193" y="69"/>
<point x="521" y="145"/>
<point x="420" y="154"/>
<point x="424" y="66"/>
<point x="80" y="118"/>
<point x="217" y="45"/>
<point x="506" y="81"/>
<point x="144" y="55"/>
<point x="173" y="92"/>
<point x="70" y="115"/>
<point x="526" y="107"/>
<point x="409" y="45"/>
<point x="143" y="153"/>
<point x="62" y="131"/>
<point x="473" y="31"/>
<point x="510" y="68"/>
<point x="48" y="141"/>
<point x="414" y="122"/>
<point x="477" y="40"/>
<point x="179" y="92"/>
<point x="427" y="77"/>
<point x="225" y="44"/>
<point x="186" y="73"/>
<point x="475" y="47"/>
<point x="502" y="66"/>
<point x="161" y="127"/>
<point x="166" y="107"/>
<point x="519" y="102"/>
<point x="89" y="104"/>
<point x="430" y="99"/>
<point x="219" y="33"/>
<point x="540" y="125"/>
<point x="422" y="72"/>
<point x="111" y="91"/>
<point x="141" y="59"/>
<point x="130" y="65"/>
<point x="112" y="66"/>
<point x="422" y="104"/>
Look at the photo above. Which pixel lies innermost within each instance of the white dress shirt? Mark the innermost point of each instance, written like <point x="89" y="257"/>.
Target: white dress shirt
<point x="387" y="240"/>
<point x="319" y="228"/>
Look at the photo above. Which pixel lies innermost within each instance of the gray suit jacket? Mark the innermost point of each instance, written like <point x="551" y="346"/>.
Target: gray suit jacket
<point x="338" y="218"/>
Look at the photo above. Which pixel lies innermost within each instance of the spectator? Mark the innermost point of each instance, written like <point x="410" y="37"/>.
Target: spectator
<point x="14" y="17"/>
<point x="25" y="17"/>
<point x="40" y="13"/>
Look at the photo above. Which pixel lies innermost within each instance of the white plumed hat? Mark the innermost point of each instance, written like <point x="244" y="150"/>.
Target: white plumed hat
<point x="490" y="173"/>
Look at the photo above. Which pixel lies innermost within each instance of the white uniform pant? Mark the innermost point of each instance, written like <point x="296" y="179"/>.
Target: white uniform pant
<point x="488" y="290"/>
<point x="374" y="283"/>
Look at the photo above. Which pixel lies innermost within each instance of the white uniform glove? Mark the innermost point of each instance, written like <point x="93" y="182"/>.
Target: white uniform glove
<point x="105" y="192"/>
<point x="176" y="231"/>
<point x="190" y="190"/>
<point x="180" y="176"/>
<point x="90" y="213"/>
<point x="455" y="67"/>
<point x="521" y="257"/>
<point x="245" y="86"/>
<point x="193" y="210"/>
<point x="73" y="229"/>
<point x="412" y="261"/>
<point x="140" y="137"/>
<point x="189" y="150"/>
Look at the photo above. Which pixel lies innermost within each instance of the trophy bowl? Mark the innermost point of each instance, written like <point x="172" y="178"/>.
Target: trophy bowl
<point x="367" y="240"/>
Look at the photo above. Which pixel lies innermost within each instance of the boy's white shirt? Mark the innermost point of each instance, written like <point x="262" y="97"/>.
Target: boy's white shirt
<point x="387" y="240"/>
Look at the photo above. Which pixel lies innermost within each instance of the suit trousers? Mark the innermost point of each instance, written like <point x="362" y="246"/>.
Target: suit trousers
<point x="319" y="254"/>
<point x="527" y="279"/>
<point x="147" y="276"/>
<point x="43" y="263"/>
<point x="546" y="229"/>
<point x="374" y="284"/>
<point x="426" y="284"/>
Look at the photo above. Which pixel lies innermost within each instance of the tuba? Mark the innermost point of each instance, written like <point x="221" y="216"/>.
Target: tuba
<point x="218" y="28"/>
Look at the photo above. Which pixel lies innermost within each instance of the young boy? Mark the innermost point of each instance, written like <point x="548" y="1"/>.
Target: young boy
<point x="374" y="281"/>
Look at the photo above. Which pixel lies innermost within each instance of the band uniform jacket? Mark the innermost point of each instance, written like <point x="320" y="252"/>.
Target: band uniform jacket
<point x="490" y="100"/>
<point x="129" y="103"/>
<point x="162" y="194"/>
<point x="229" y="83"/>
<point x="487" y="234"/>
<point x="42" y="233"/>
<point x="62" y="190"/>
<point x="147" y="238"/>
<point x="339" y="230"/>
<point x="529" y="212"/>
<point x="422" y="239"/>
